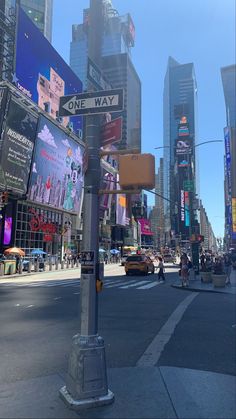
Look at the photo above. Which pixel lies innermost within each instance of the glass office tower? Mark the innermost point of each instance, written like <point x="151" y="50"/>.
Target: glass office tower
<point x="40" y="12"/>
<point x="179" y="100"/>
<point x="117" y="66"/>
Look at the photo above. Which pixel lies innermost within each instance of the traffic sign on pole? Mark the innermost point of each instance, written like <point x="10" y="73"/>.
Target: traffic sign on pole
<point x="92" y="103"/>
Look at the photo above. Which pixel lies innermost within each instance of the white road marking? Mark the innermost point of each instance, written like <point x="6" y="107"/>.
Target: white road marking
<point x="17" y="305"/>
<point x="115" y="284"/>
<point x="153" y="352"/>
<point x="31" y="305"/>
<point x="134" y="285"/>
<point x="75" y="293"/>
<point x="153" y="284"/>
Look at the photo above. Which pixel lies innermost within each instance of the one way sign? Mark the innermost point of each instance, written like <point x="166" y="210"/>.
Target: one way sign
<point x="92" y="103"/>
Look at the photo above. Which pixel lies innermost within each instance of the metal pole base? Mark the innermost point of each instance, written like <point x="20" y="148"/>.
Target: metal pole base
<point x="85" y="403"/>
<point x="86" y="380"/>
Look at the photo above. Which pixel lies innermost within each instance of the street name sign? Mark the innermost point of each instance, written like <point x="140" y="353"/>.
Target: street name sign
<point x="92" y="103"/>
<point x="96" y="77"/>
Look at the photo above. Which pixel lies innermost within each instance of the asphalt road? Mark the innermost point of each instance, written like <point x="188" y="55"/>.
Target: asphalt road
<point x="38" y="322"/>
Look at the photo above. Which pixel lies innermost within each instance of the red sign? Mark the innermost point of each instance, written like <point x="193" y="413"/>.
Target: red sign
<point x="145" y="227"/>
<point x="38" y="223"/>
<point x="111" y="132"/>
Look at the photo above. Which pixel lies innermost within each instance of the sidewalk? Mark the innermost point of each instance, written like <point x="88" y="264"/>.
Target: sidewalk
<point x="54" y="274"/>
<point x="142" y="393"/>
<point x="198" y="285"/>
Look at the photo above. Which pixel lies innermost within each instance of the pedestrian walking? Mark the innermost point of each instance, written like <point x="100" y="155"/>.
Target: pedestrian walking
<point x="227" y="267"/>
<point x="184" y="270"/>
<point x="161" y="269"/>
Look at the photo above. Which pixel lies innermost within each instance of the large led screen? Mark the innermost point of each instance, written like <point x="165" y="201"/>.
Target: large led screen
<point x="56" y="175"/>
<point x="16" y="148"/>
<point x="40" y="71"/>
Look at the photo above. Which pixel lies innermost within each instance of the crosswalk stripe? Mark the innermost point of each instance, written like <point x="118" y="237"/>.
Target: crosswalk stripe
<point x="115" y="284"/>
<point x="134" y="285"/>
<point x="153" y="284"/>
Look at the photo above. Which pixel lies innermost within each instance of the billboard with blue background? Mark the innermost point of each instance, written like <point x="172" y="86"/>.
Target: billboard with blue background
<point x="56" y="175"/>
<point x="41" y="73"/>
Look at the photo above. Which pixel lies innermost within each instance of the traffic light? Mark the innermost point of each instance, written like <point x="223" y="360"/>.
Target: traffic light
<point x="137" y="171"/>
<point x="200" y="238"/>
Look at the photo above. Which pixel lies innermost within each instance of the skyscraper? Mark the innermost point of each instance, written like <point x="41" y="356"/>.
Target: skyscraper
<point x="179" y="101"/>
<point x="117" y="68"/>
<point x="118" y="38"/>
<point x="40" y="12"/>
<point x="228" y="75"/>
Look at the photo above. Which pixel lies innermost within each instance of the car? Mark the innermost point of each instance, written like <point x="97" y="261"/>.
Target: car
<point x="168" y="258"/>
<point x="139" y="264"/>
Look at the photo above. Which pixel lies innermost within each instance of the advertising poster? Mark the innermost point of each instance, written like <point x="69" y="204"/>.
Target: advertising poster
<point x="7" y="231"/>
<point x="186" y="209"/>
<point x="183" y="146"/>
<point x="234" y="218"/>
<point x="228" y="159"/>
<point x="145" y="227"/>
<point x="56" y="174"/>
<point x="17" y="148"/>
<point x="120" y="207"/>
<point x="41" y="73"/>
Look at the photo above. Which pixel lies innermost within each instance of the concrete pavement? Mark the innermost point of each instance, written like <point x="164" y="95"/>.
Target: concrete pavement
<point x="195" y="284"/>
<point x="149" y="392"/>
<point x="140" y="392"/>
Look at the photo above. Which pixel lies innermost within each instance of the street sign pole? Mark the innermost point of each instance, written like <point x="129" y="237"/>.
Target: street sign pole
<point x="86" y="381"/>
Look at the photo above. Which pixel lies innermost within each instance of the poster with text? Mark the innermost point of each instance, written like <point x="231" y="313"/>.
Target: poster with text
<point x="17" y="143"/>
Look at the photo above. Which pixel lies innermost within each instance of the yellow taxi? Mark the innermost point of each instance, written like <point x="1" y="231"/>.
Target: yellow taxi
<point x="139" y="264"/>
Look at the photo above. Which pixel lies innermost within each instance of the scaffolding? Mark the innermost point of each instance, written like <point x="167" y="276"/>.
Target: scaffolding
<point x="7" y="43"/>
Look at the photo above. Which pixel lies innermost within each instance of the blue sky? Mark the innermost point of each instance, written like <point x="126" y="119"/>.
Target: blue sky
<point x="198" y="31"/>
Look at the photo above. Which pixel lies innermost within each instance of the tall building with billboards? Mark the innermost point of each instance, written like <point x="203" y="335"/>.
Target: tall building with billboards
<point x="179" y="127"/>
<point x="228" y="75"/>
<point x="40" y="13"/>
<point x="118" y="70"/>
<point x="41" y="161"/>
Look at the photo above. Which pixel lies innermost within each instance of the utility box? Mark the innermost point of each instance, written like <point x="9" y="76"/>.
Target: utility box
<point x="137" y="171"/>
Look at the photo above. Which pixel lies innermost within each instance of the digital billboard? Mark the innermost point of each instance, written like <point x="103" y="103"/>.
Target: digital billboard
<point x="183" y="131"/>
<point x="41" y="73"/>
<point x="7" y="231"/>
<point x="16" y="148"/>
<point x="56" y="175"/>
<point x="183" y="147"/>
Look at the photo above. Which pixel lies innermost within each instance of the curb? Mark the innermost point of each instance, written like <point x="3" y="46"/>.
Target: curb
<point x="199" y="289"/>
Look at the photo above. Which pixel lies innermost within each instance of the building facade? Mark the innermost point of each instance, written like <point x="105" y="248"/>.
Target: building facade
<point x="228" y="75"/>
<point x="40" y="12"/>
<point x="180" y="137"/>
<point x="209" y="243"/>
